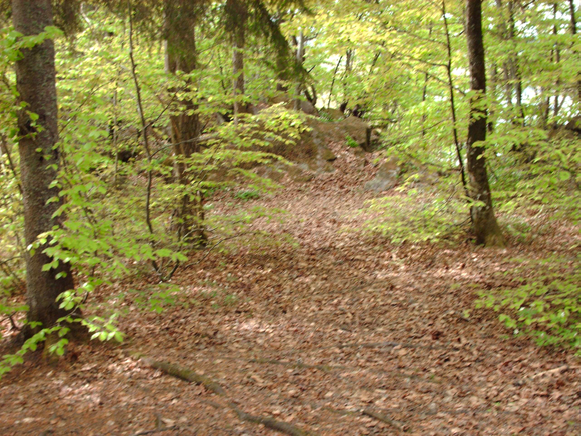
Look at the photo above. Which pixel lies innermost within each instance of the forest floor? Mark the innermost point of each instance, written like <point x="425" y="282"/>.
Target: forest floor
<point x="342" y="334"/>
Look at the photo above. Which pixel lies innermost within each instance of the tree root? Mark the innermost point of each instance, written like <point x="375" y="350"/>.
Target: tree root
<point x="193" y="377"/>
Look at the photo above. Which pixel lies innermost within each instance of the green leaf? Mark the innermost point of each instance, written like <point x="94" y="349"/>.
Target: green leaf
<point x="564" y="175"/>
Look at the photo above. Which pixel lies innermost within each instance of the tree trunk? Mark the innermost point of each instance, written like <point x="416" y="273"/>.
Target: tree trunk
<point x="237" y="18"/>
<point x="239" y="43"/>
<point x="333" y="81"/>
<point x="573" y="28"/>
<point x="39" y="160"/>
<point x="181" y="55"/>
<point x="425" y="87"/>
<point x="300" y="57"/>
<point x="557" y="60"/>
<point x="483" y="220"/>
<point x="346" y="74"/>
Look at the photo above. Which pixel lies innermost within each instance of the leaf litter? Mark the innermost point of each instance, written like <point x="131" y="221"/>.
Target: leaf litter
<point x="338" y="334"/>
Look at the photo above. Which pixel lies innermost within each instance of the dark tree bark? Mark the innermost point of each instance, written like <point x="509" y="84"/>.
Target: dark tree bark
<point x="346" y="74"/>
<point x="483" y="220"/>
<point x="239" y="37"/>
<point x="39" y="160"/>
<point x="573" y="29"/>
<point x="572" y="16"/>
<point x="237" y="14"/>
<point x="181" y="55"/>
<point x="333" y="81"/>
<point x="300" y="58"/>
<point x="557" y="59"/>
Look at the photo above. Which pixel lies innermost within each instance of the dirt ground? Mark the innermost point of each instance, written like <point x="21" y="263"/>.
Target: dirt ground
<point x="342" y="334"/>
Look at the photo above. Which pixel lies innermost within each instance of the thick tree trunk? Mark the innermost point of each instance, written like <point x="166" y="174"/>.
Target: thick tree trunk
<point x="181" y="55"/>
<point x="484" y="222"/>
<point x="39" y="160"/>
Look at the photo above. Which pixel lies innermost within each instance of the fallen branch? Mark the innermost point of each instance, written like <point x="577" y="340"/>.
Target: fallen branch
<point x="271" y="423"/>
<point x="383" y="418"/>
<point x="158" y="430"/>
<point x="371" y="413"/>
<point x="184" y="374"/>
<point x="558" y="370"/>
<point x="193" y="377"/>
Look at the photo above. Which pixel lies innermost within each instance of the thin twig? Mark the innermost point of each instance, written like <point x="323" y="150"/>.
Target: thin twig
<point x="8" y="271"/>
<point x="142" y="119"/>
<point x="333" y="81"/>
<point x="6" y="151"/>
<point x="419" y="132"/>
<point x="88" y="96"/>
<point x="452" y="105"/>
<point x="14" y="326"/>
<point x="145" y="137"/>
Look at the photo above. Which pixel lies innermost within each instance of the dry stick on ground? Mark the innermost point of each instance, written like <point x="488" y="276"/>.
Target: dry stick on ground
<point x="158" y="430"/>
<point x="184" y="374"/>
<point x="280" y="426"/>
<point x="381" y="417"/>
<point x="325" y="368"/>
<point x="273" y="424"/>
<point x="193" y="377"/>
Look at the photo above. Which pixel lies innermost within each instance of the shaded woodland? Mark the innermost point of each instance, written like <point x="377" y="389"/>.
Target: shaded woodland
<point x="289" y="217"/>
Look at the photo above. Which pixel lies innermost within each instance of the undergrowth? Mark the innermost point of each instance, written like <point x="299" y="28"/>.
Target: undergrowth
<point x="417" y="216"/>
<point x="545" y="304"/>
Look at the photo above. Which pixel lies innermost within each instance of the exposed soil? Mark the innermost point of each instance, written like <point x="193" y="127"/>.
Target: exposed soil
<point x="322" y="335"/>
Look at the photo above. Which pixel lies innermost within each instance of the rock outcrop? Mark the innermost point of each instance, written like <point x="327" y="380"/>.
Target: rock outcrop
<point x="386" y="177"/>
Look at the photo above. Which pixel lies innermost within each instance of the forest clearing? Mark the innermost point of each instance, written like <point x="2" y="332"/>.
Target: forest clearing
<point x="258" y="217"/>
